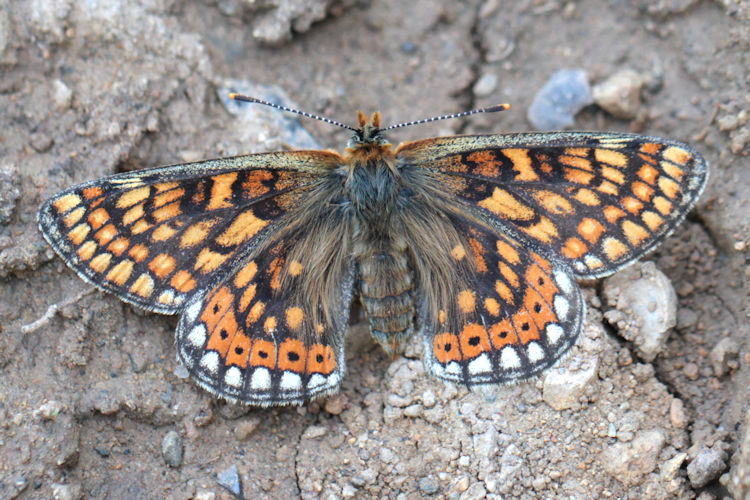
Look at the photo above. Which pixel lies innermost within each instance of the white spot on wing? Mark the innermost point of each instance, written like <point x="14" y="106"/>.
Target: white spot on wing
<point x="562" y="307"/>
<point x="453" y="368"/>
<point x="261" y="379"/>
<point x="480" y="365"/>
<point x="509" y="358"/>
<point x="534" y="352"/>
<point x="563" y="281"/>
<point x="197" y="336"/>
<point x="554" y="333"/>
<point x="291" y="381"/>
<point x="334" y="379"/>
<point x="233" y="377"/>
<point x="316" y="381"/>
<point x="192" y="312"/>
<point x="210" y="361"/>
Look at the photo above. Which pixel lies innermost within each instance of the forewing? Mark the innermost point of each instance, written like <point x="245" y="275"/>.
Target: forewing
<point x="154" y="237"/>
<point x="595" y="201"/>
<point x="518" y="315"/>
<point x="252" y="339"/>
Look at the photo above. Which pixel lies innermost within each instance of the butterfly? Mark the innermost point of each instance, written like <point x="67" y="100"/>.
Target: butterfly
<point x="471" y="243"/>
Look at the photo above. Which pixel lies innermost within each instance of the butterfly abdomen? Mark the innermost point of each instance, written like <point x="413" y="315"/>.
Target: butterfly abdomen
<point x="386" y="286"/>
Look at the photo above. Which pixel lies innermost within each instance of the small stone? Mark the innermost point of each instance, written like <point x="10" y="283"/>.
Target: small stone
<point x="348" y="491"/>
<point x="725" y="356"/>
<point x="205" y="495"/>
<point x="66" y="491"/>
<point x="705" y="467"/>
<point x="9" y="192"/>
<point x="428" y="486"/>
<point x="461" y="485"/>
<point x="557" y="102"/>
<point x="62" y="96"/>
<point x="428" y="399"/>
<point x="408" y="47"/>
<point x="21" y="483"/>
<point x="691" y="371"/>
<point x="314" y="432"/>
<point x="727" y="123"/>
<point x="369" y="476"/>
<point x="539" y="483"/>
<point x="399" y="401"/>
<point x="40" y="142"/>
<point x="620" y="94"/>
<point x="611" y="430"/>
<point x="485" y="85"/>
<point x="171" y="449"/>
<point x="49" y="410"/>
<point x="413" y="411"/>
<point x="335" y="404"/>
<point x="230" y="479"/>
<point x="671" y="467"/>
<point x="246" y="428"/>
<point x="563" y="387"/>
<point x="645" y="307"/>
<point x="686" y="318"/>
<point x="629" y="462"/>
<point x="677" y="414"/>
<point x="476" y="492"/>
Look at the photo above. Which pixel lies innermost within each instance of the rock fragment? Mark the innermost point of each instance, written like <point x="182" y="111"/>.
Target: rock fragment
<point x="557" y="102"/>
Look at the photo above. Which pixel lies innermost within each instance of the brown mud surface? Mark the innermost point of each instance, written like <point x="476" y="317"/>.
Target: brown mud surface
<point x="89" y="386"/>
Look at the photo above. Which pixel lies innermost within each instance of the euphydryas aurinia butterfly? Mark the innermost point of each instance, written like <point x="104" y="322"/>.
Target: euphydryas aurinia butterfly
<point x="472" y="243"/>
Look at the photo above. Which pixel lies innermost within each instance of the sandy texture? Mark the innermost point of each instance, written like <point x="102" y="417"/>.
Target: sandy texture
<point x="92" y="404"/>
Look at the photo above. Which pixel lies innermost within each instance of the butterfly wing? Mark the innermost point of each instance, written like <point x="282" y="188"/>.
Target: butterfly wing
<point x="154" y="237"/>
<point x="518" y="315"/>
<point x="595" y="201"/>
<point x="253" y="339"/>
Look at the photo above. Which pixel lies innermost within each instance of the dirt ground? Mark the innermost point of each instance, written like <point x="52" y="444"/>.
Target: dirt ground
<point x="90" y="390"/>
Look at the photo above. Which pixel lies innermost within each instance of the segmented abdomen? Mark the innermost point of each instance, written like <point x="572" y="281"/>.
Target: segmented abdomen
<point x="386" y="286"/>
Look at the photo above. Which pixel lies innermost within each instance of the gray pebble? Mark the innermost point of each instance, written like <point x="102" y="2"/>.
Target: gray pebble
<point x="230" y="479"/>
<point x="557" y="102"/>
<point x="645" y="307"/>
<point x="485" y="85"/>
<point x="705" y="467"/>
<point x="611" y="430"/>
<point x="66" y="491"/>
<point x="171" y="449"/>
<point x="428" y="486"/>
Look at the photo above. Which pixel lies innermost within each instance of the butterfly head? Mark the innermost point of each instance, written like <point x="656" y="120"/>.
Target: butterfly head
<point x="369" y="133"/>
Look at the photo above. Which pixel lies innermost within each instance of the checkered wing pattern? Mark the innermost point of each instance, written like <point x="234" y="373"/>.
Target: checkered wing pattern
<point x="520" y="313"/>
<point x="595" y="201"/>
<point x="251" y="338"/>
<point x="154" y="237"/>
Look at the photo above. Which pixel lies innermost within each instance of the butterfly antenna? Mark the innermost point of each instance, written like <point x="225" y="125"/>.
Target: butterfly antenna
<point x="491" y="109"/>
<point x="245" y="98"/>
